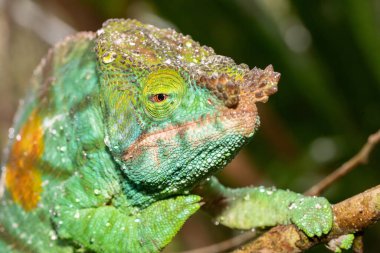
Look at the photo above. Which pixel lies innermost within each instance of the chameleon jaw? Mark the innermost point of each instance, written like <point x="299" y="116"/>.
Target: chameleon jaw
<point x="175" y="159"/>
<point x="243" y="123"/>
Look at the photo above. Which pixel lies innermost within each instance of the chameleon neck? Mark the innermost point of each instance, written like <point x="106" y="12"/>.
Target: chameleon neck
<point x="137" y="196"/>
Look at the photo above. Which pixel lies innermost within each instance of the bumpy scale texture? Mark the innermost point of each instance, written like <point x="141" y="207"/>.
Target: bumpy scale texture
<point x="118" y="128"/>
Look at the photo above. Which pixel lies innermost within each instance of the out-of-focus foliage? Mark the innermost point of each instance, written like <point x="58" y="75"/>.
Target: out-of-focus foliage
<point x="328" y="53"/>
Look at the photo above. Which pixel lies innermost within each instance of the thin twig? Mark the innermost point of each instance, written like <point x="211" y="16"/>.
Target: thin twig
<point x="360" y="158"/>
<point x="225" y="245"/>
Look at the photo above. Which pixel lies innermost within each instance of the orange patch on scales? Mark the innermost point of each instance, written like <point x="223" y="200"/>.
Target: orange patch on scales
<point x="22" y="178"/>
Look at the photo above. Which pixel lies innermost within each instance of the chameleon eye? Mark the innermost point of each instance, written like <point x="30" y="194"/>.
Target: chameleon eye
<point x="158" y="98"/>
<point x="162" y="93"/>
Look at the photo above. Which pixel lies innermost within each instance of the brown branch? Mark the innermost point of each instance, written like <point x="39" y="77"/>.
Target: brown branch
<point x="360" y="158"/>
<point x="351" y="216"/>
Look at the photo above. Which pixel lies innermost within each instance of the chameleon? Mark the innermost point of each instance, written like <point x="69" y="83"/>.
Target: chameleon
<point x="118" y="140"/>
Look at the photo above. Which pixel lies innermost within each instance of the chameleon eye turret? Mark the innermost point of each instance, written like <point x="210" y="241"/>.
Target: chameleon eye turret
<point x="162" y="93"/>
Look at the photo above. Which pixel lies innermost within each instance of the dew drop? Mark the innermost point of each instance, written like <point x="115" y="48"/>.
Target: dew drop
<point x="100" y="32"/>
<point x="11" y="133"/>
<point x="53" y="236"/>
<point x="108" y="57"/>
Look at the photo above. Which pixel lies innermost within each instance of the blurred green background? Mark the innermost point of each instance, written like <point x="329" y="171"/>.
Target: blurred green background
<point x="328" y="53"/>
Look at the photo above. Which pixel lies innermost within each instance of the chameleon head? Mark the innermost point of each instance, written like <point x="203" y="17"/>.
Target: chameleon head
<point x="175" y="112"/>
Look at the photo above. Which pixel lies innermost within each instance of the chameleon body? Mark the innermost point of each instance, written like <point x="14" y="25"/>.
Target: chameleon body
<point x="118" y="139"/>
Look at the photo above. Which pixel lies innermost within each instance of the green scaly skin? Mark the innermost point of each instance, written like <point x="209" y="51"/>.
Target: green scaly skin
<point x="110" y="142"/>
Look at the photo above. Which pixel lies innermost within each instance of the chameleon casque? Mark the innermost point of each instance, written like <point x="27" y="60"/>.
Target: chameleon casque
<point x="115" y="146"/>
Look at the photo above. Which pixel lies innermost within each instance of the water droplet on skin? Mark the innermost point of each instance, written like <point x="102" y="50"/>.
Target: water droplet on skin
<point x="100" y="32"/>
<point x="53" y="236"/>
<point x="107" y="141"/>
<point x="109" y="57"/>
<point x="11" y="133"/>
<point x="293" y="206"/>
<point x="118" y="41"/>
<point x="45" y="182"/>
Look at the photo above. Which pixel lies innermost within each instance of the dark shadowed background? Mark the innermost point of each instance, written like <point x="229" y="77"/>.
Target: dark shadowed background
<point x="328" y="53"/>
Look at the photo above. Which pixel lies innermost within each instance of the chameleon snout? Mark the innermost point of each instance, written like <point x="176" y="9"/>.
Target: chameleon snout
<point x="259" y="84"/>
<point x="256" y="86"/>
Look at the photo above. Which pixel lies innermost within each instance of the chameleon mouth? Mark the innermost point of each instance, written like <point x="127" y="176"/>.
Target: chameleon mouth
<point x="197" y="132"/>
